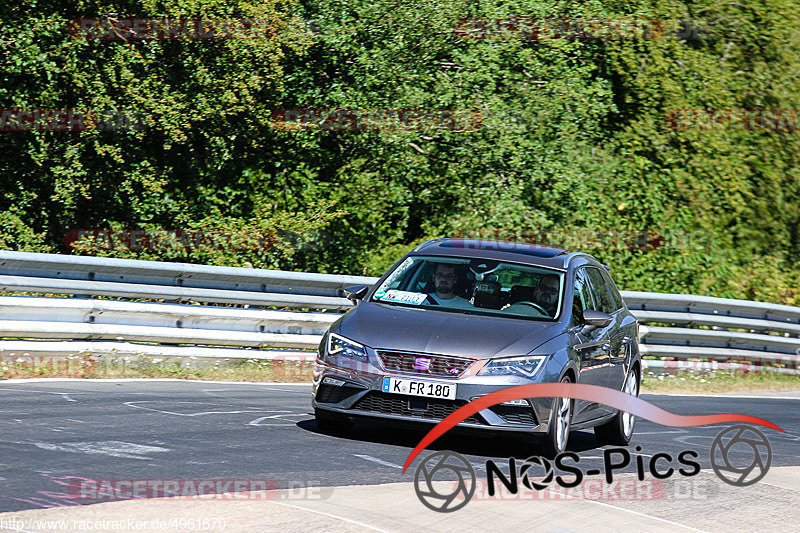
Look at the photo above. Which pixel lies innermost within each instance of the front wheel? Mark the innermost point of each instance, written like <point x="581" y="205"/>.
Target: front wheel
<point x="619" y="430"/>
<point x="555" y="441"/>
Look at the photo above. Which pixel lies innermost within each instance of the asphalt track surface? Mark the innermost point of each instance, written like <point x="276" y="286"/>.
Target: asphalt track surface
<point x="52" y="430"/>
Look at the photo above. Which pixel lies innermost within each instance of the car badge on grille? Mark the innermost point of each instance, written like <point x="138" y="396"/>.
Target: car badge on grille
<point x="422" y="363"/>
<point x="454" y="370"/>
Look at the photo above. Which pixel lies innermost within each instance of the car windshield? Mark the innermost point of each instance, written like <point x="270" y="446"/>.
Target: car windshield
<point x="474" y="286"/>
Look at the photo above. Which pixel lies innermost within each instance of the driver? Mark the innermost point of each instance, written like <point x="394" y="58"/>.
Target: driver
<point x="546" y="293"/>
<point x="444" y="281"/>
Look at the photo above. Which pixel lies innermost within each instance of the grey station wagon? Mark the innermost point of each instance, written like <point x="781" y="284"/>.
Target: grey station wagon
<point x="454" y="320"/>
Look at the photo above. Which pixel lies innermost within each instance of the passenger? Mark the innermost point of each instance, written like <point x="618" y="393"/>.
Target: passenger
<point x="445" y="282"/>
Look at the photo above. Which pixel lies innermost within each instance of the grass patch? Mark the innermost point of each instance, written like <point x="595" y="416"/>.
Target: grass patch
<point x="90" y="366"/>
<point x="719" y="382"/>
<point x="87" y="366"/>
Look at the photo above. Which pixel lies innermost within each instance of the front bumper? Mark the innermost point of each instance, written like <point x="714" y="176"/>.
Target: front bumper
<point x="358" y="392"/>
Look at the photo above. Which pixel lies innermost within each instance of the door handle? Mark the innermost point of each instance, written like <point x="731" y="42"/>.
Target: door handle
<point x="626" y="340"/>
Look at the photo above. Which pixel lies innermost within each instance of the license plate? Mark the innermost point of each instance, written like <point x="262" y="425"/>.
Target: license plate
<point x="412" y="387"/>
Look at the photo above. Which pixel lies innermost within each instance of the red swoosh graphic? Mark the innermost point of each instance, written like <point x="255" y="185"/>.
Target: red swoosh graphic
<point x="593" y="393"/>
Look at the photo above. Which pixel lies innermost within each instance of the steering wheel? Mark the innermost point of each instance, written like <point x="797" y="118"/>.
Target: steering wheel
<point x="535" y="306"/>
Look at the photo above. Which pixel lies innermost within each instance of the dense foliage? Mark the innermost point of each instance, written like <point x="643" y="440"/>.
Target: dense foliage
<point x="564" y="138"/>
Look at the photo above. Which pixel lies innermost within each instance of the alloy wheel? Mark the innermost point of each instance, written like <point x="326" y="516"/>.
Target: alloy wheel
<point x="631" y="387"/>
<point x="562" y="422"/>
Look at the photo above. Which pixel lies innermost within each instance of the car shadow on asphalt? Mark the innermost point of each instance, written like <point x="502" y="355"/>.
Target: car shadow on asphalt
<point x="466" y="441"/>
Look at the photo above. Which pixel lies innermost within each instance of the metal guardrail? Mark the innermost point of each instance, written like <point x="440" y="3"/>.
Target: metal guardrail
<point x="700" y="328"/>
<point x="687" y="303"/>
<point x="66" y="318"/>
<point x="697" y="326"/>
<point x="29" y="350"/>
<point x="177" y="282"/>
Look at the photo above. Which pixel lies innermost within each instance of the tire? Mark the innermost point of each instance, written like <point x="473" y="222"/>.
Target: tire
<point x="332" y="422"/>
<point x="619" y="430"/>
<point x="557" y="436"/>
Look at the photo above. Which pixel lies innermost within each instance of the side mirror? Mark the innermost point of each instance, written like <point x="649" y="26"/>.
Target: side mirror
<point x="595" y="319"/>
<point x="356" y="293"/>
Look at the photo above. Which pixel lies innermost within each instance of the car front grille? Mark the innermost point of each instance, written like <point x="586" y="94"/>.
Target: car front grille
<point x="424" y="408"/>
<point x="443" y="366"/>
<point x="515" y="414"/>
<point x="335" y="394"/>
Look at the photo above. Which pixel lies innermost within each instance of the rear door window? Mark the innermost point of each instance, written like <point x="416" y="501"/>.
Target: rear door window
<point x="602" y="297"/>
<point x="616" y="297"/>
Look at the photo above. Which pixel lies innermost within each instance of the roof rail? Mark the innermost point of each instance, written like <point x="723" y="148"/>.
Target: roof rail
<point x="428" y="243"/>
<point x="573" y="255"/>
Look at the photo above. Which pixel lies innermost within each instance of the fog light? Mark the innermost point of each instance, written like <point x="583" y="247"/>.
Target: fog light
<point x="332" y="381"/>
<point x="516" y="403"/>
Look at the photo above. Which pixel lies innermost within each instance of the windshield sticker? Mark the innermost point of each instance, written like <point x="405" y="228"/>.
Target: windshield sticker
<point x="414" y="298"/>
<point x="393" y="276"/>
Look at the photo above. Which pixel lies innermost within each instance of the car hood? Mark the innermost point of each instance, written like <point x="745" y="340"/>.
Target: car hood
<point x="390" y="327"/>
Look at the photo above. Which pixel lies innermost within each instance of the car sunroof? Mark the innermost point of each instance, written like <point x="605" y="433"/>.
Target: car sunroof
<point x="508" y="247"/>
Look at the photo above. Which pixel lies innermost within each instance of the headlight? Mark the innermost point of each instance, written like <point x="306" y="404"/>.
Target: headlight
<point x="342" y="347"/>
<point x="525" y="366"/>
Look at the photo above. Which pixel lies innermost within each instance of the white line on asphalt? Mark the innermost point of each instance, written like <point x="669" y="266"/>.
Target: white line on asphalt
<point x="211" y="392"/>
<point x="660" y="432"/>
<point x="285" y="390"/>
<point x="126" y="380"/>
<point x="779" y="486"/>
<point x="373" y="528"/>
<point x="287" y="423"/>
<point x="63" y="394"/>
<point x="376" y="460"/>
<point x="199" y="413"/>
<point x="642" y="514"/>
<point x="114" y="448"/>
<point x="749" y="396"/>
<point x="302" y="384"/>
